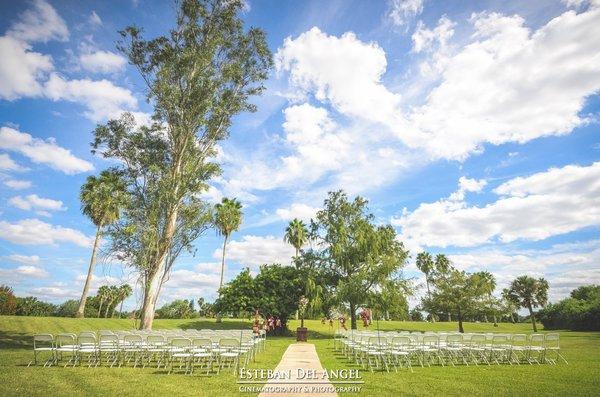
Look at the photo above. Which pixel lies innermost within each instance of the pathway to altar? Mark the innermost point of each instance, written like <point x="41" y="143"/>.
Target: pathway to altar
<point x="301" y="361"/>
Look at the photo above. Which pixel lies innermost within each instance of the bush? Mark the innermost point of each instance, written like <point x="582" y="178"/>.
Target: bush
<point x="68" y="308"/>
<point x="8" y="302"/>
<point x="32" y="306"/>
<point x="580" y="312"/>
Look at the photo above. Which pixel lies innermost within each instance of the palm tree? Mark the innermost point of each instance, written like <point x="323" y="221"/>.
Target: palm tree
<point x="489" y="285"/>
<point x="442" y="265"/>
<point x="529" y="292"/>
<point x="510" y="306"/>
<point x="296" y="234"/>
<point x="426" y="265"/>
<point x="101" y="198"/>
<point x="102" y="294"/>
<point x="228" y="218"/>
<point x="125" y="292"/>
<point x="113" y="295"/>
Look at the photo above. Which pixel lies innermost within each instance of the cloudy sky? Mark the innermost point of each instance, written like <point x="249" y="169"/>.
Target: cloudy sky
<point x="474" y="131"/>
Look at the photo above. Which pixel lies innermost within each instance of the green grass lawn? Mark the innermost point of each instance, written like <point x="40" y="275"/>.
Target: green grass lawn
<point x="579" y="378"/>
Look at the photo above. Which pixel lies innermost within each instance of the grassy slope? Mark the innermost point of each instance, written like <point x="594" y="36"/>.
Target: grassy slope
<point x="578" y="378"/>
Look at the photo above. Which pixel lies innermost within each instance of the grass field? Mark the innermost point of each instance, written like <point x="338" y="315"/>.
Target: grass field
<point x="579" y="378"/>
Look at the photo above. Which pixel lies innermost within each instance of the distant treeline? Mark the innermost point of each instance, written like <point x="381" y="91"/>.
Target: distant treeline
<point x="579" y="312"/>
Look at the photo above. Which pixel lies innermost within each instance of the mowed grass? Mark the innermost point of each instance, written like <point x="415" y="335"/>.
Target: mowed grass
<point x="18" y="380"/>
<point x="580" y="378"/>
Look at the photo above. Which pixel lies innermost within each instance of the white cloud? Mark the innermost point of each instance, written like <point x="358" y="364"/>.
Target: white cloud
<point x="20" y="69"/>
<point x="24" y="259"/>
<point x="435" y="43"/>
<point x="467" y="185"/>
<point x="42" y="151"/>
<point x="258" y="250"/>
<point x="16" y="184"/>
<point x="32" y="271"/>
<point x="34" y="202"/>
<point x="297" y="210"/>
<point x="510" y="84"/>
<point x="102" y="62"/>
<point x="536" y="207"/>
<point x="54" y="293"/>
<point x="95" y="20"/>
<point x="36" y="232"/>
<point x="7" y="164"/>
<point x="39" y="23"/>
<point x="102" y="98"/>
<point x="403" y="11"/>
<point x="209" y="267"/>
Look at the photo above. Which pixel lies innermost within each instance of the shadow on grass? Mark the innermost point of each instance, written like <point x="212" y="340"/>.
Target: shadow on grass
<point x="15" y="340"/>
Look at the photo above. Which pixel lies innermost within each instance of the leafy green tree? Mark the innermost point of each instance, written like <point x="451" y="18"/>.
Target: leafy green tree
<point x="314" y="294"/>
<point x="529" y="292"/>
<point x="426" y="265"/>
<point x="102" y="294"/>
<point x="180" y="308"/>
<point x="198" y="76"/>
<point x="102" y="199"/>
<point x="586" y="293"/>
<point x="390" y="301"/>
<point x="228" y="219"/>
<point x="296" y="234"/>
<point x="125" y="292"/>
<point x="510" y="306"/>
<point x="275" y="291"/>
<point x="68" y="308"/>
<point x="32" y="306"/>
<point x="489" y="285"/>
<point x="416" y="315"/>
<point x="456" y="292"/>
<point x="360" y="255"/>
<point x="112" y="296"/>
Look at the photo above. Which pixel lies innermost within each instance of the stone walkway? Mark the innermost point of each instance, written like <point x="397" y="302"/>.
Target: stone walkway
<point x="298" y="360"/>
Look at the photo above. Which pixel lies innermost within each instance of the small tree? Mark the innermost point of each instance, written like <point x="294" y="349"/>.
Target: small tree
<point x="529" y="292"/>
<point x="125" y="292"/>
<point x="102" y="294"/>
<point x="456" y="292"/>
<point x="102" y="199"/>
<point x="296" y="235"/>
<point x="426" y="265"/>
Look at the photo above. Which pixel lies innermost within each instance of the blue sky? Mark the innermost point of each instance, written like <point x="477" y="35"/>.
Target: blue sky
<point x="472" y="128"/>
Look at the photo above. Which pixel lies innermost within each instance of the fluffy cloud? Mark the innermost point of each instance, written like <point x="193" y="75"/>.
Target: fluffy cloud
<point x="102" y="62"/>
<point x="34" y="202"/>
<point x="258" y="250"/>
<point x="7" y="164"/>
<point x="40" y="23"/>
<point x="435" y="43"/>
<point x="22" y="273"/>
<point x="24" y="259"/>
<point x="102" y="98"/>
<point x="17" y="184"/>
<point x="520" y="85"/>
<point x="545" y="204"/>
<point x="402" y="11"/>
<point x="95" y="19"/>
<point x="36" y="232"/>
<point x="297" y="210"/>
<point x="20" y="68"/>
<point x="42" y="151"/>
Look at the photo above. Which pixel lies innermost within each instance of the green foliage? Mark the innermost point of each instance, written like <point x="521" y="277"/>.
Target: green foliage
<point x="8" y="301"/>
<point x="275" y="291"/>
<point x="456" y="292"/>
<point x="32" y="306"/>
<point x="180" y="308"/>
<point x="228" y="219"/>
<point x="296" y="234"/>
<point x="416" y="315"/>
<point x="67" y="309"/>
<point x="102" y="197"/>
<point x="358" y="255"/>
<point x="579" y="312"/>
<point x="529" y="293"/>
<point x="198" y="76"/>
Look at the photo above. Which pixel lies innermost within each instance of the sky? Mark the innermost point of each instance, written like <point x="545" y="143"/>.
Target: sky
<point x="471" y="127"/>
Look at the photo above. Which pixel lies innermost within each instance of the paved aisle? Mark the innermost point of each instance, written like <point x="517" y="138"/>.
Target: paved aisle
<point x="303" y="356"/>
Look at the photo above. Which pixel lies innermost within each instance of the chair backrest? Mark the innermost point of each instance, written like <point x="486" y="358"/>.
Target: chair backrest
<point x="202" y="342"/>
<point x="536" y="340"/>
<point x="430" y="340"/>
<point x="88" y="333"/>
<point x="376" y="341"/>
<point x="454" y="339"/>
<point x="66" y="340"/>
<point x="181" y="342"/>
<point x="553" y="340"/>
<point x="499" y="339"/>
<point x="229" y="342"/>
<point x="155" y="339"/>
<point x="478" y="339"/>
<point x="45" y="340"/>
<point x="401" y="341"/>
<point x="108" y="340"/>
<point x="132" y="339"/>
<point x="519" y="340"/>
<point x="86" y="340"/>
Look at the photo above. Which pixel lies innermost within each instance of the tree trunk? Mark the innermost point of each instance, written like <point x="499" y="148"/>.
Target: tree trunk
<point x="88" y="280"/>
<point x="429" y="296"/>
<point x="107" y="308"/>
<point x="449" y="317"/>
<point x="100" y="307"/>
<point x="495" y="321"/>
<point x="151" y="296"/>
<point x="222" y="272"/>
<point x="512" y="318"/>
<point x="532" y="316"/>
<point x="485" y="318"/>
<point x="460" y="322"/>
<point x="121" y="308"/>
<point x="352" y="316"/>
